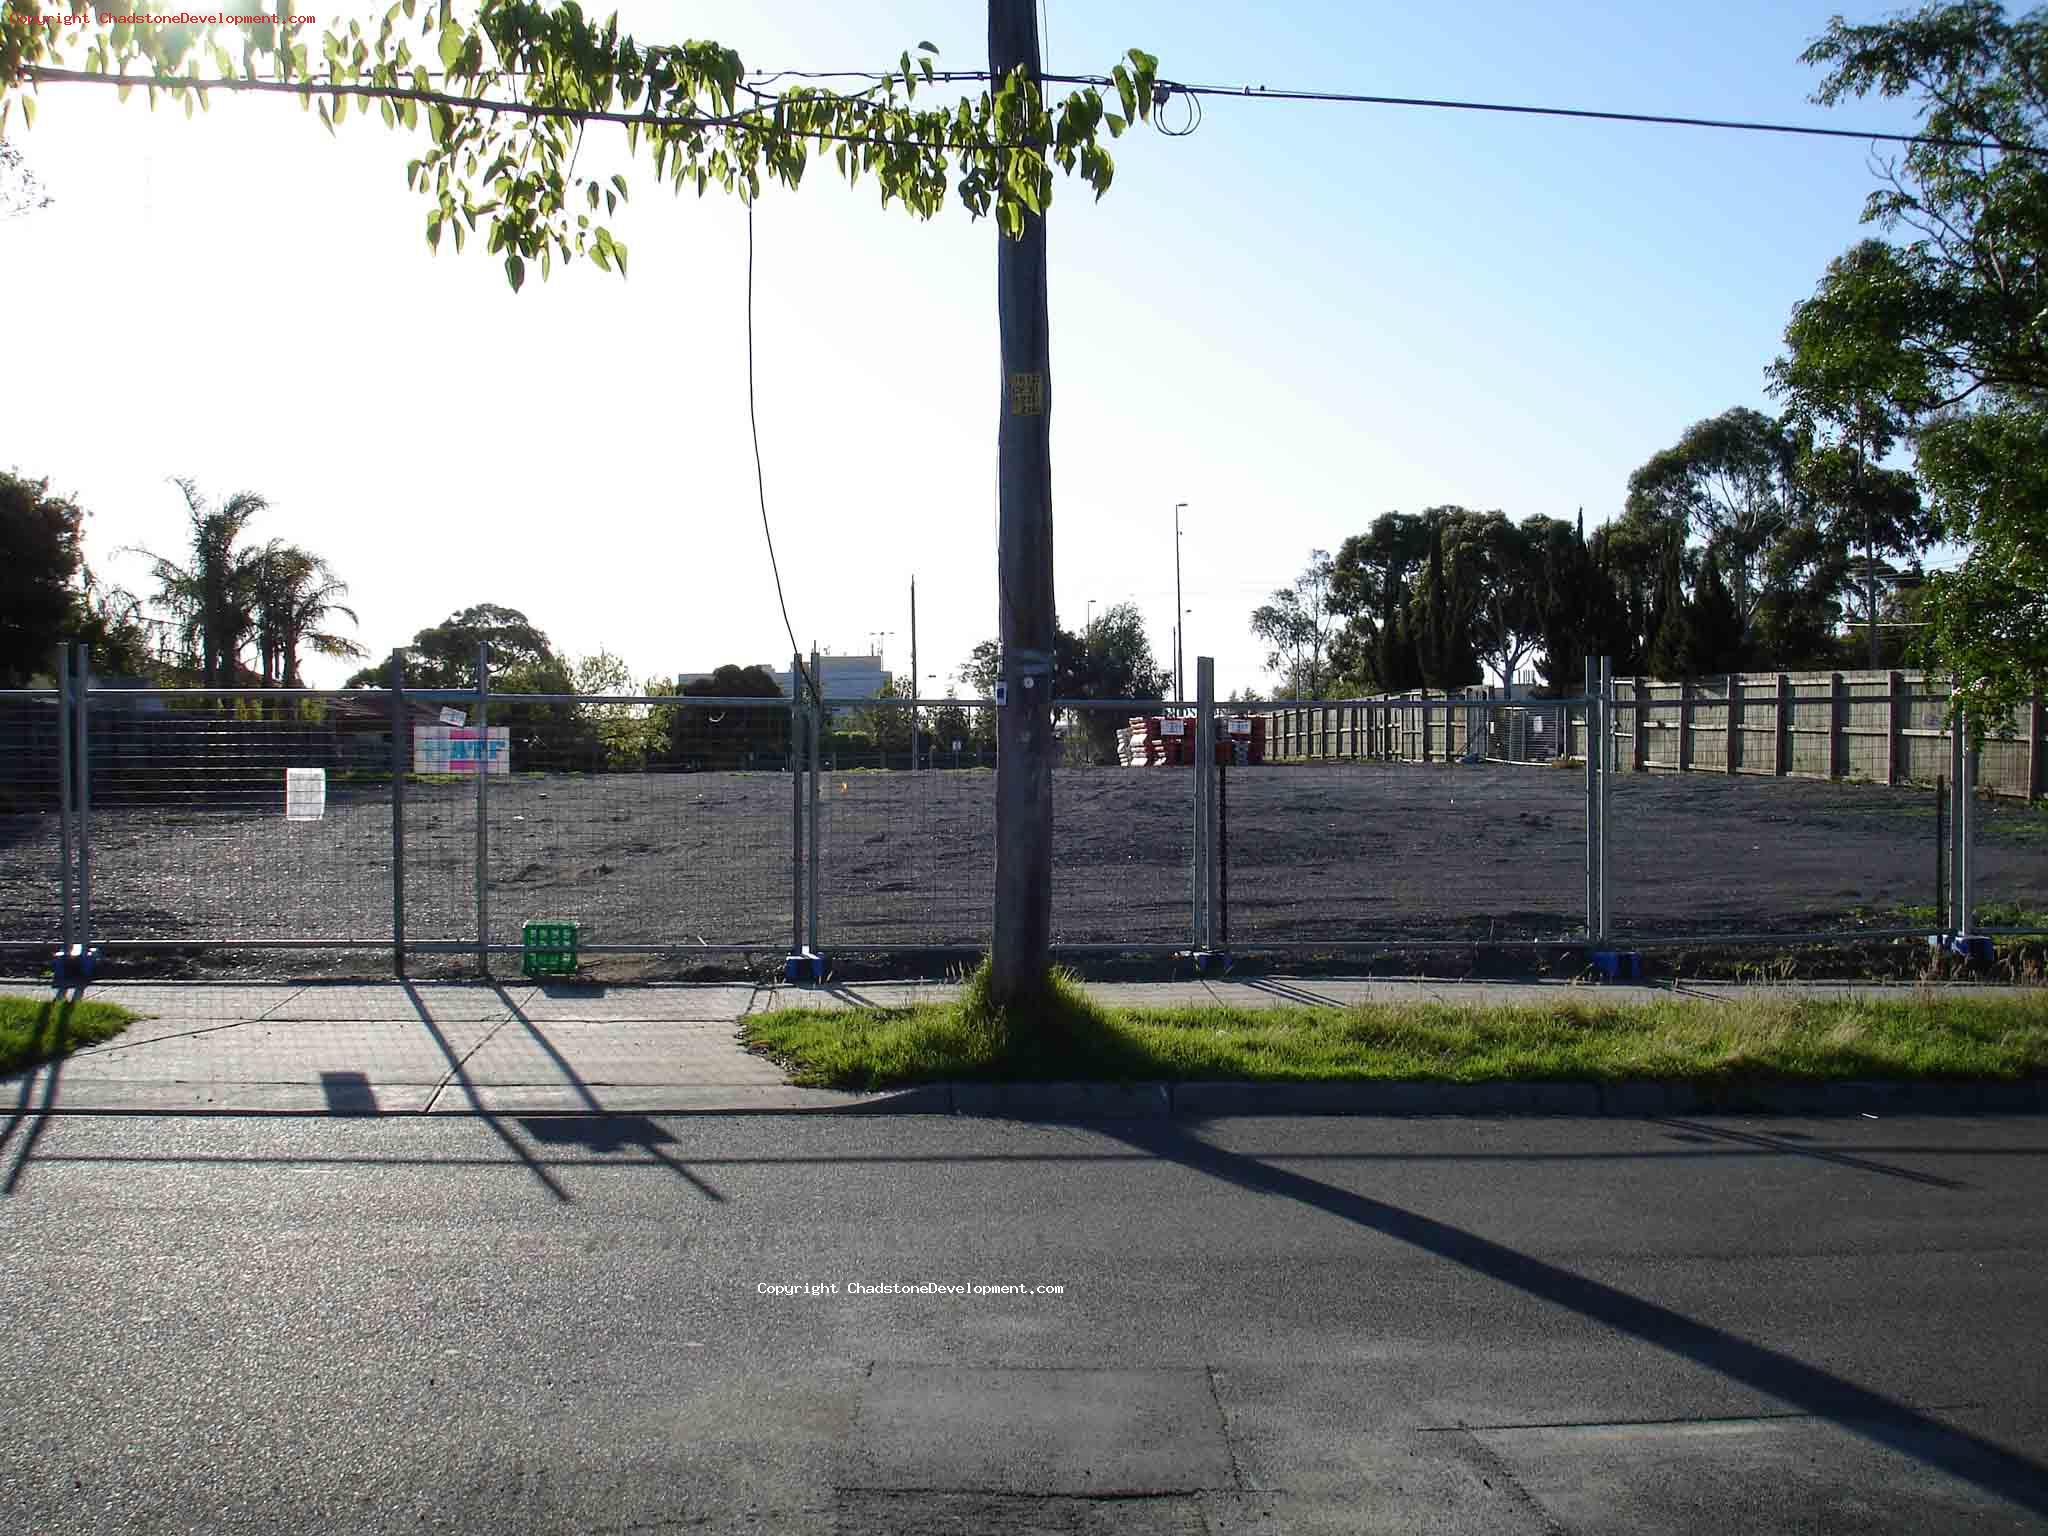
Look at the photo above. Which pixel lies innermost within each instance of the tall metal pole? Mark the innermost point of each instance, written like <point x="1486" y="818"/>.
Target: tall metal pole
<point x="1020" y="948"/>
<point x="400" y="755"/>
<point x="483" y="809"/>
<point x="1179" y="678"/>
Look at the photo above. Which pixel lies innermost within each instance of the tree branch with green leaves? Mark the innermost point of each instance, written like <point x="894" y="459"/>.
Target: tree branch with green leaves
<point x="503" y="91"/>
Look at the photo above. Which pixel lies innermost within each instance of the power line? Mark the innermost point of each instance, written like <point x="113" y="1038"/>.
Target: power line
<point x="1162" y="90"/>
<point x="760" y="479"/>
<point x="1659" y="119"/>
<point x="1165" y="88"/>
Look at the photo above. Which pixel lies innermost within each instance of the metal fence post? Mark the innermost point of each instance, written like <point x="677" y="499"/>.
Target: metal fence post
<point x="483" y="808"/>
<point x="1592" y="734"/>
<point x="796" y="812"/>
<point x="1205" y="775"/>
<point x="817" y="717"/>
<point x="81" y="681"/>
<point x="1197" y="854"/>
<point x="1965" y="831"/>
<point x="399" y="766"/>
<point x="1606" y="788"/>
<point x="64" y="803"/>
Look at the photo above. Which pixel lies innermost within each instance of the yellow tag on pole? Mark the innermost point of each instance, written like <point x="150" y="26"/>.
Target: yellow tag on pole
<point x="1027" y="394"/>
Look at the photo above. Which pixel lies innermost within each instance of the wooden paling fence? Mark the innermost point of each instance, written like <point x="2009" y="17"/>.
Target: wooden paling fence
<point x="1873" y="727"/>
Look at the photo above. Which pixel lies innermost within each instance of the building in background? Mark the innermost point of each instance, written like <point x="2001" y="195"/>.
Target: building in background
<point x="846" y="677"/>
<point x="842" y="677"/>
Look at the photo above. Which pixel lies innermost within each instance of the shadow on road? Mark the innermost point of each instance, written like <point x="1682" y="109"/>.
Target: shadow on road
<point x="1872" y="1415"/>
<point x="50" y="1036"/>
<point x="1789" y="1144"/>
<point x="598" y="1130"/>
<point x="458" y="1073"/>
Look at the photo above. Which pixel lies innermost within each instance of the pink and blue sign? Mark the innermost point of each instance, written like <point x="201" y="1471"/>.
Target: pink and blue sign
<point x="459" y="748"/>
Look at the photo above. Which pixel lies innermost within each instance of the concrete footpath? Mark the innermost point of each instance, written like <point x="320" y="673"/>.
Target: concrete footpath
<point x="516" y="1047"/>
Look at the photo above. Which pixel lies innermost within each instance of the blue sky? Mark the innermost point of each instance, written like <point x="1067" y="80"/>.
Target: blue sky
<point x="1294" y="319"/>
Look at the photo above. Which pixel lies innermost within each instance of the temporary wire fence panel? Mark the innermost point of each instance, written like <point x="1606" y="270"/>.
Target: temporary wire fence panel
<point x="905" y="860"/>
<point x="30" y="803"/>
<point x="1387" y="851"/>
<point x="2009" y="880"/>
<point x="1705" y="855"/>
<point x="440" y="831"/>
<point x="190" y="839"/>
<point x="1122" y="844"/>
<point x="649" y="822"/>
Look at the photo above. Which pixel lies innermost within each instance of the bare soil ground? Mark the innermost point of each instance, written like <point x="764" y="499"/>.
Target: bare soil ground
<point x="1317" y="853"/>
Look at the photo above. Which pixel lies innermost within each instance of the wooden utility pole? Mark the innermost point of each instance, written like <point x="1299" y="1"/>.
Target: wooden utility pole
<point x="1020" y="946"/>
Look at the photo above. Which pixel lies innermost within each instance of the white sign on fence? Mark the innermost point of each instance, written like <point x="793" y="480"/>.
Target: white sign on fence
<point x="453" y="716"/>
<point x="305" y="794"/>
<point x="1173" y="727"/>
<point x="1240" y="727"/>
<point x="458" y="748"/>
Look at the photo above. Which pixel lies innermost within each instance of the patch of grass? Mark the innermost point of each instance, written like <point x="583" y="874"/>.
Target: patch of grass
<point x="1066" y="1036"/>
<point x="35" y="1030"/>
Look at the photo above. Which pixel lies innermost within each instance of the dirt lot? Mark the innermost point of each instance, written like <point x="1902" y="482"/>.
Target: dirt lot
<point x="1319" y="852"/>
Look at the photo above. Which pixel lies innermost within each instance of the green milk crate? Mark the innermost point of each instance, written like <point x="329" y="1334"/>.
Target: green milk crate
<point x="549" y="948"/>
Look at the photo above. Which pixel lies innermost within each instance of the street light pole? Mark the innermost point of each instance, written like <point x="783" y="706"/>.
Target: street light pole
<point x="1179" y="682"/>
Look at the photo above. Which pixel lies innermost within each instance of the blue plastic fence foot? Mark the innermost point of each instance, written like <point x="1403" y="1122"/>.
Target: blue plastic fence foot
<point x="804" y="965"/>
<point x="74" y="967"/>
<point x="1220" y="959"/>
<point x="1973" y="947"/>
<point x="1618" y="964"/>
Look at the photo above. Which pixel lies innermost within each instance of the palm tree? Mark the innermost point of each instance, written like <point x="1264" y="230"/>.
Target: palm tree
<point x="212" y="601"/>
<point x="296" y="593"/>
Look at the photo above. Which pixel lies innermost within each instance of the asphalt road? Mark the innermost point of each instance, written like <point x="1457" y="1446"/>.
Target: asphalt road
<point x="1314" y="1325"/>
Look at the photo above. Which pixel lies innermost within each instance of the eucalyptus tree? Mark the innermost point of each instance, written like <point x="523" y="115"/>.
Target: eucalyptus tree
<point x="1940" y="318"/>
<point x="1299" y="622"/>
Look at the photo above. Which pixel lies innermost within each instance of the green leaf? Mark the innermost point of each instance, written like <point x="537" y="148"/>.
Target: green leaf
<point x="451" y="49"/>
<point x="928" y="47"/>
<point x="28" y="113"/>
<point x="515" y="271"/>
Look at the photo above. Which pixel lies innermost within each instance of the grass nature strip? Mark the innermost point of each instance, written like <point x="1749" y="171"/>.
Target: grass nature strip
<point x="34" y="1030"/>
<point x="1927" y="1035"/>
